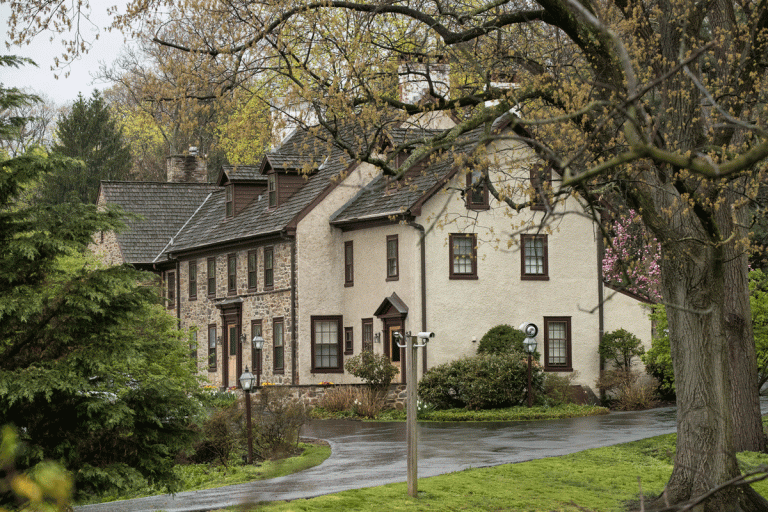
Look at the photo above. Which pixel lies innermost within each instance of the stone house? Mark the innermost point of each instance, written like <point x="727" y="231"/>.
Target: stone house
<point x="325" y="257"/>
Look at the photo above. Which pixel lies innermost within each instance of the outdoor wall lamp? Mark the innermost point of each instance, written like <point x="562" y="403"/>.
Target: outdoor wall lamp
<point x="246" y="382"/>
<point x="529" y="344"/>
<point x="377" y="337"/>
<point x="258" y="344"/>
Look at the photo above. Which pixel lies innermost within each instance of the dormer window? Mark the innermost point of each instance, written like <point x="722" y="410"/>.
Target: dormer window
<point x="229" y="201"/>
<point x="541" y="182"/>
<point x="477" y="191"/>
<point x="272" y="189"/>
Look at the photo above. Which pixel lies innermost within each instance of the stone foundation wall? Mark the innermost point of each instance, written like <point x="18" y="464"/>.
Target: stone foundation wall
<point x="312" y="394"/>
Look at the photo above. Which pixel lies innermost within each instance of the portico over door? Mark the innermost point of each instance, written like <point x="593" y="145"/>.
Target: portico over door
<point x="393" y="313"/>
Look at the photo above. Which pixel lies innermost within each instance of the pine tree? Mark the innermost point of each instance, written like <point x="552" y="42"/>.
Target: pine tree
<point x="90" y="134"/>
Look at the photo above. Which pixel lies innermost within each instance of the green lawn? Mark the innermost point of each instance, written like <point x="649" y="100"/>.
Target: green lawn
<point x="597" y="480"/>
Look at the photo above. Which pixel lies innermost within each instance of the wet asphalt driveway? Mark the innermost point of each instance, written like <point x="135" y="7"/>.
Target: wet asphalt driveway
<point x="371" y="454"/>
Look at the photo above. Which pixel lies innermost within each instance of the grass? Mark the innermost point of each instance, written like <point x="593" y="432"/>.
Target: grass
<point x="195" y="477"/>
<point x="518" y="413"/>
<point x="596" y="480"/>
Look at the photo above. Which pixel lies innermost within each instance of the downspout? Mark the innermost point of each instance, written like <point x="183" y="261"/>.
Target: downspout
<point x="423" y="270"/>
<point x="294" y="328"/>
<point x="178" y="294"/>
<point x="600" y="301"/>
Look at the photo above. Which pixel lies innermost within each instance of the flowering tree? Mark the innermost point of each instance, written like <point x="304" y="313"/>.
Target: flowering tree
<point x="631" y="260"/>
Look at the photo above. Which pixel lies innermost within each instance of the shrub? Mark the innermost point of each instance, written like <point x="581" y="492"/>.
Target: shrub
<point x="501" y="339"/>
<point x="338" y="399"/>
<point x="221" y="436"/>
<point x="277" y="423"/>
<point x="374" y="369"/>
<point x="620" y="347"/>
<point x="369" y="403"/>
<point x="628" y="390"/>
<point x="557" y="389"/>
<point x="481" y="382"/>
<point x="658" y="360"/>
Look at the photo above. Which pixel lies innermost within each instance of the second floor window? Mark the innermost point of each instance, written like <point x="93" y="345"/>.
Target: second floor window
<point x="171" y="290"/>
<point x="232" y="274"/>
<point x="192" y="280"/>
<point x="463" y="256"/>
<point x="252" y="269"/>
<point x="392" y="258"/>
<point x="534" y="260"/>
<point x="269" y="267"/>
<point x="349" y="269"/>
<point x="211" y="277"/>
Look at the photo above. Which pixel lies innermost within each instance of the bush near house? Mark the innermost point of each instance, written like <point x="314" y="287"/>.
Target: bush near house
<point x="501" y="339"/>
<point x="624" y="388"/>
<point x="485" y="381"/>
<point x="374" y="369"/>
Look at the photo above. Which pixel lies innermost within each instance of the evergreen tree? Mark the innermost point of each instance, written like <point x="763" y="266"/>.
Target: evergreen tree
<point x="90" y="134"/>
<point x="93" y="372"/>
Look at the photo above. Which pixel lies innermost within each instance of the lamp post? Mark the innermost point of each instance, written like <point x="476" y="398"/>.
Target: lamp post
<point x="529" y="344"/>
<point x="246" y="382"/>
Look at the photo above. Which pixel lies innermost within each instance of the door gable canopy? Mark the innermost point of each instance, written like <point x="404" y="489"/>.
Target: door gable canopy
<point x="392" y="306"/>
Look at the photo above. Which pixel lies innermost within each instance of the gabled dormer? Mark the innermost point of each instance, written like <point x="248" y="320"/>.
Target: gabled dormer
<point x="287" y="167"/>
<point x="243" y="184"/>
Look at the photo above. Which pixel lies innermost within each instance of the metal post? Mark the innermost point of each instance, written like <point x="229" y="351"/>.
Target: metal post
<point x="411" y="433"/>
<point x="248" y="425"/>
<point x="530" y="395"/>
<point x="258" y="370"/>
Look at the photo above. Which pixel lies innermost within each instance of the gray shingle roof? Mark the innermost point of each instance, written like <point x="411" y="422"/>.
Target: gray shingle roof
<point x="163" y="208"/>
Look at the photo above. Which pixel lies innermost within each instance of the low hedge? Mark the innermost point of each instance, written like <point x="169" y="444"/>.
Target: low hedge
<point x="485" y="381"/>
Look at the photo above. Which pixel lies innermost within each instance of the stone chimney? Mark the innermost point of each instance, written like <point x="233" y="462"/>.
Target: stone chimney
<point x="188" y="168"/>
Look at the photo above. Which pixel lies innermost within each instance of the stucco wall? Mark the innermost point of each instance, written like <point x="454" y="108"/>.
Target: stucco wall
<point x="320" y="257"/>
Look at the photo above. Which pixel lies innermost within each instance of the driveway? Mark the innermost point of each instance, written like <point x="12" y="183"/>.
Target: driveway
<point x="368" y="454"/>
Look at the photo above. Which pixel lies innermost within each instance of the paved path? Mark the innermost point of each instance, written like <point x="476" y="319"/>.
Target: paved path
<point x="367" y="454"/>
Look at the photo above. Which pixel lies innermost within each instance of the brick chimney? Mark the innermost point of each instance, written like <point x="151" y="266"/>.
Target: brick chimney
<point x="188" y="168"/>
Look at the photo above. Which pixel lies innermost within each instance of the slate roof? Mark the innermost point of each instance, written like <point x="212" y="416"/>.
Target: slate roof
<point x="163" y="209"/>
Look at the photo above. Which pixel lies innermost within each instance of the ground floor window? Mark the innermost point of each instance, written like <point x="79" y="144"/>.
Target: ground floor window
<point x="212" y="348"/>
<point x="327" y="344"/>
<point x="278" y="343"/>
<point x="557" y="343"/>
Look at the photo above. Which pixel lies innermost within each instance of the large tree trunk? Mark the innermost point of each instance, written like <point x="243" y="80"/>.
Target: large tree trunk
<point x="739" y="336"/>
<point x="694" y="288"/>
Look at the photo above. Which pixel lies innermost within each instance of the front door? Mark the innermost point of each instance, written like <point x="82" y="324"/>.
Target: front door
<point x="393" y="351"/>
<point x="234" y="360"/>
